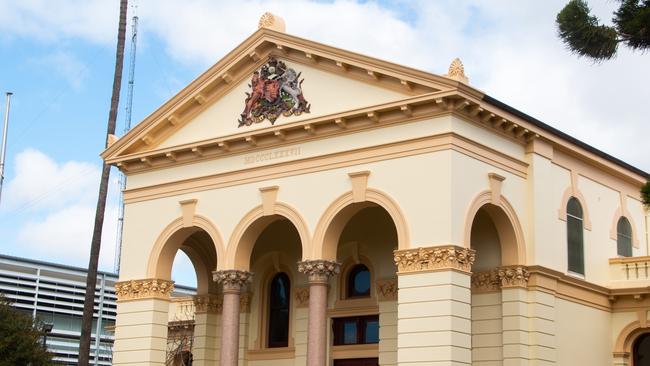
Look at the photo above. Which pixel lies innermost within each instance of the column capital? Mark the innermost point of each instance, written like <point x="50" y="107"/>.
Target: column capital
<point x="232" y="279"/>
<point x="143" y="289"/>
<point x="434" y="258"/>
<point x="499" y="278"/>
<point x="513" y="276"/>
<point x="208" y="304"/>
<point x="319" y="270"/>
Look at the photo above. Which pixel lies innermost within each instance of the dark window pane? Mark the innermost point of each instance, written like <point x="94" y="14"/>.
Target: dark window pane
<point x="371" y="333"/>
<point x="356" y="330"/>
<point x="575" y="245"/>
<point x="350" y="332"/>
<point x="624" y="237"/>
<point x="574" y="208"/>
<point x="359" y="281"/>
<point x="279" y="297"/>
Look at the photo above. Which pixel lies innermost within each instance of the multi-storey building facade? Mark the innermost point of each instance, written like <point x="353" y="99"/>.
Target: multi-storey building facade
<point x="342" y="210"/>
<point x="54" y="294"/>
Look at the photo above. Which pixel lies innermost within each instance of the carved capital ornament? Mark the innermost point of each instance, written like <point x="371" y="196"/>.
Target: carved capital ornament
<point x="503" y="277"/>
<point x="434" y="258"/>
<point x="141" y="289"/>
<point x="302" y="297"/>
<point x="387" y="289"/>
<point x="232" y="279"/>
<point x="208" y="304"/>
<point x="513" y="276"/>
<point x="319" y="270"/>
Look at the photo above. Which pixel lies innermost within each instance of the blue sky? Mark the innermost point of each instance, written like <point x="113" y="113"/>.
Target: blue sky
<point x="58" y="59"/>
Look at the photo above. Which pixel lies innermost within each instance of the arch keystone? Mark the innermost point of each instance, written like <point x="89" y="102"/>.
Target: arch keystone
<point x="359" y="185"/>
<point x="496" y="182"/>
<point x="188" y="208"/>
<point x="269" y="198"/>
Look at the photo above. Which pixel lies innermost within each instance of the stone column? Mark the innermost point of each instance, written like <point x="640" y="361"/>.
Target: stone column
<point x="141" y="325"/>
<point x="433" y="306"/>
<point x="514" y="309"/>
<point x="319" y="272"/>
<point x="207" y="308"/>
<point x="232" y="280"/>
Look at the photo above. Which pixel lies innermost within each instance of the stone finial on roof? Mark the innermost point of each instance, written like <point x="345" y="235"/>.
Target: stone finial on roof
<point x="457" y="71"/>
<point x="271" y="21"/>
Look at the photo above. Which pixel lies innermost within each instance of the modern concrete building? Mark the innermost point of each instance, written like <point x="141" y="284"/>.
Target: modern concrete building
<point x="341" y="210"/>
<point x="54" y="294"/>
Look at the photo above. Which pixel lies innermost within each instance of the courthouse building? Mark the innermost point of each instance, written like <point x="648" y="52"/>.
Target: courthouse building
<point x="341" y="210"/>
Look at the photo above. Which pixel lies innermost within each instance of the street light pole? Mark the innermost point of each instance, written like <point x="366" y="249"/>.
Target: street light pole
<point x="3" y="147"/>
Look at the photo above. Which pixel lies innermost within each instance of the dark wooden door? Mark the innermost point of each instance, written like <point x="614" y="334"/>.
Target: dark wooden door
<point x="357" y="362"/>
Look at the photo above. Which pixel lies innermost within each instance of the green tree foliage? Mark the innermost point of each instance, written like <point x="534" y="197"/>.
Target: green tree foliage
<point x="645" y="194"/>
<point x="20" y="338"/>
<point x="584" y="35"/>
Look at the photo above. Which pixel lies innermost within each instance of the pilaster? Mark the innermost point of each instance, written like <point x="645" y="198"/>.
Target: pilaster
<point x="433" y="306"/>
<point x="514" y="307"/>
<point x="205" y="347"/>
<point x="387" y="296"/>
<point x="487" y="342"/>
<point x="141" y="324"/>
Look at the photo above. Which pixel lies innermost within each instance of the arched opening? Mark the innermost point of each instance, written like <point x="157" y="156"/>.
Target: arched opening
<point x="188" y="257"/>
<point x="493" y="237"/>
<point x="641" y="350"/>
<point x="364" y="237"/>
<point x="274" y="252"/>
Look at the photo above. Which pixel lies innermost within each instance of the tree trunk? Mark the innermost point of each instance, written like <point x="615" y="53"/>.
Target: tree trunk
<point x="91" y="280"/>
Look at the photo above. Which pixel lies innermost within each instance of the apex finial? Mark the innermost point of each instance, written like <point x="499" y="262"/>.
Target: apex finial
<point x="271" y="21"/>
<point x="457" y="71"/>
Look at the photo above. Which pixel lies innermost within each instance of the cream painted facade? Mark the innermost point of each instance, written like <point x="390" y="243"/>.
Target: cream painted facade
<point x="455" y="202"/>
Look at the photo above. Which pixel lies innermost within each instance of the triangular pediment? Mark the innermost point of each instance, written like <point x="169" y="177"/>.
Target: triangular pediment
<point x="333" y="81"/>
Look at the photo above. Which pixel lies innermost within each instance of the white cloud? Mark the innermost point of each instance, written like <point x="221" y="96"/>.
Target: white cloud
<point x="64" y="236"/>
<point x="91" y="20"/>
<point x="58" y="201"/>
<point x="42" y="183"/>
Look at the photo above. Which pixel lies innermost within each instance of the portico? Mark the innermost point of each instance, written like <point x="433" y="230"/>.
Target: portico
<point x="341" y="210"/>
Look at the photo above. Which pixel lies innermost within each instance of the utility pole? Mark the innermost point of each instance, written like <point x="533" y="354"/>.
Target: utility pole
<point x="127" y="127"/>
<point x="95" y="245"/>
<point x="3" y="148"/>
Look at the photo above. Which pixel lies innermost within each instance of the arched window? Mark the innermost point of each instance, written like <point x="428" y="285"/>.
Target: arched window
<point x="279" y="297"/>
<point x="624" y="237"/>
<point x="575" y="240"/>
<point x="359" y="281"/>
<point x="641" y="350"/>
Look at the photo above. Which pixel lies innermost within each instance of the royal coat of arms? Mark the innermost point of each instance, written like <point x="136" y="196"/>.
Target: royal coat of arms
<point x="275" y="90"/>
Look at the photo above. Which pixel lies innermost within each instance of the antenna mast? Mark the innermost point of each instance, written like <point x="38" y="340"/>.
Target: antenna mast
<point x="127" y="127"/>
